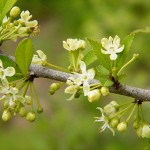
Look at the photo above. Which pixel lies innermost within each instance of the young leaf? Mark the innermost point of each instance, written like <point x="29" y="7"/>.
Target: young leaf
<point x="5" y="6"/>
<point x="103" y="59"/>
<point x="127" y="42"/>
<point x="7" y="62"/>
<point x="102" y="70"/>
<point x="108" y="83"/>
<point x="23" y="55"/>
<point x="89" y="58"/>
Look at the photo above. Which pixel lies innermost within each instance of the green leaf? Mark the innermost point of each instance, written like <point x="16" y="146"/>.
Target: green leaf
<point x="101" y="69"/>
<point x="108" y="83"/>
<point x="89" y="58"/>
<point x="127" y="42"/>
<point x="7" y="62"/>
<point x="24" y="54"/>
<point x="5" y="6"/>
<point x="103" y="59"/>
<point x="105" y="81"/>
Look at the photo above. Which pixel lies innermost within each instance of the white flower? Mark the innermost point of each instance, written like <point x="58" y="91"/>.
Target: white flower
<point x="112" y="47"/>
<point x="85" y="77"/>
<point x="8" y="72"/>
<point x="81" y="80"/>
<point x="104" y="119"/>
<point x="39" y="59"/>
<point x="73" y="44"/>
<point x="25" y="19"/>
<point x="12" y="97"/>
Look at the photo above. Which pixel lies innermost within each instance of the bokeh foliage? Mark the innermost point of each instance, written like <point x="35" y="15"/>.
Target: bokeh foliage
<point x="69" y="125"/>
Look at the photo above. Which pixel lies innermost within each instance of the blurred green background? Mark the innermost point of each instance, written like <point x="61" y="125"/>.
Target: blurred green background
<point x="69" y="125"/>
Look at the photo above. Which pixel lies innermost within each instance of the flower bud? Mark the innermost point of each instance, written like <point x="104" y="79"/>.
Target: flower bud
<point x="6" y="115"/>
<point x="105" y="91"/>
<point x="54" y="87"/>
<point x="94" y="95"/>
<point x="122" y="126"/>
<point x="139" y="131"/>
<point x="111" y="108"/>
<point x="70" y="89"/>
<point x="14" y="12"/>
<point x="145" y="131"/>
<point x="22" y="111"/>
<point x="114" y="122"/>
<point x="30" y="116"/>
<point x="136" y="124"/>
<point x="6" y="104"/>
<point x="28" y="100"/>
<point x="39" y="110"/>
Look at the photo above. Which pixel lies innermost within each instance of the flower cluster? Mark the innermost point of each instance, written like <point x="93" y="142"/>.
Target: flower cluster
<point x="14" y="95"/>
<point x="112" y="114"/>
<point x="12" y="27"/>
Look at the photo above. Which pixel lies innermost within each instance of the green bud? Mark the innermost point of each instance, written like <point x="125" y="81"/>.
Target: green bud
<point x="51" y="92"/>
<point x="22" y="111"/>
<point x="122" y="126"/>
<point x="40" y="110"/>
<point x="139" y="131"/>
<point x="14" y="12"/>
<point x="114" y="122"/>
<point x="6" y="115"/>
<point x="6" y="104"/>
<point x="105" y="91"/>
<point x="30" y="116"/>
<point x="77" y="95"/>
<point x="145" y="131"/>
<point x="94" y="95"/>
<point x="136" y="124"/>
<point x="28" y="100"/>
<point x="54" y="86"/>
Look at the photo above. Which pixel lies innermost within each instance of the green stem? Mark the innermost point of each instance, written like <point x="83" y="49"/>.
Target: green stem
<point x="31" y="108"/>
<point x="135" y="56"/>
<point x="142" y="117"/>
<point x="9" y="33"/>
<point x="57" y="67"/>
<point x="127" y="120"/>
<point x="36" y="95"/>
<point x="19" y="80"/>
<point x="26" y="88"/>
<point x="122" y="111"/>
<point x="21" y="85"/>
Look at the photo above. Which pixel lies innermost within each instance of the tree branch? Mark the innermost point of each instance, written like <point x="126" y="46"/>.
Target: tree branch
<point x="137" y="93"/>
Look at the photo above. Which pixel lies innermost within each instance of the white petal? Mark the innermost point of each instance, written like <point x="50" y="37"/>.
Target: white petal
<point x="119" y="49"/>
<point x="86" y="88"/>
<point x="41" y="55"/>
<point x="90" y="73"/>
<point x="113" y="56"/>
<point x="116" y="41"/>
<point x="31" y="23"/>
<point x="83" y="67"/>
<point x="1" y="64"/>
<point x="112" y="130"/>
<point x="105" y="51"/>
<point x="9" y="71"/>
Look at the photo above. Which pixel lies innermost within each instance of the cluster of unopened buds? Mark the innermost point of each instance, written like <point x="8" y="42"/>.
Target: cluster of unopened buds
<point x="14" y="26"/>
